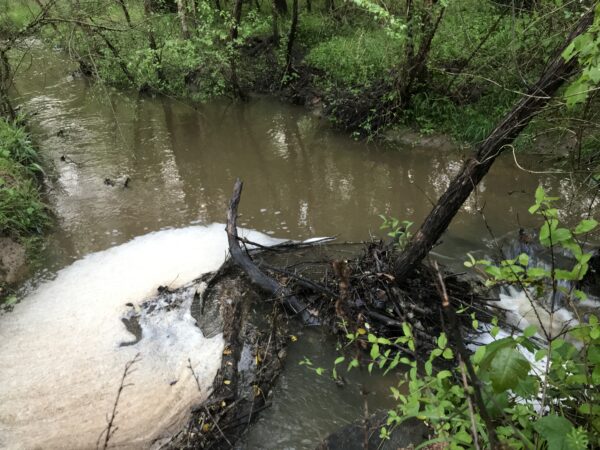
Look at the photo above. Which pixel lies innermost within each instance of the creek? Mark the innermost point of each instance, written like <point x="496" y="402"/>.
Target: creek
<point x="122" y="165"/>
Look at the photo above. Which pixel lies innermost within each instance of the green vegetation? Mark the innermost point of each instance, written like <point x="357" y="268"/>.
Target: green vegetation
<point x="22" y="212"/>
<point x="446" y="66"/>
<point x="535" y="389"/>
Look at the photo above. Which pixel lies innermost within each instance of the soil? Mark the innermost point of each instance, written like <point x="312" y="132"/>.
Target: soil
<point x="13" y="262"/>
<point x="410" y="138"/>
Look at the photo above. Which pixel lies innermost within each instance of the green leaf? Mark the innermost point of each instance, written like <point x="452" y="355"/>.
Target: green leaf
<point x="568" y="52"/>
<point x="544" y="233"/>
<point x="537" y="272"/>
<point x="561" y="235"/>
<point x="577" y="92"/>
<point x="585" y="226"/>
<point x="493" y="271"/>
<point x="508" y="367"/>
<point x="523" y="259"/>
<point x="594" y="74"/>
<point x="443" y="374"/>
<point x="554" y="429"/>
<point x="375" y="351"/>
<point x="539" y="194"/>
<point x="442" y="341"/>
<point x="428" y="367"/>
<point x="448" y="354"/>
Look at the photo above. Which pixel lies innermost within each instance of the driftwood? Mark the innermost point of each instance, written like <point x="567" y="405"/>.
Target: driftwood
<point x="477" y="166"/>
<point x="257" y="277"/>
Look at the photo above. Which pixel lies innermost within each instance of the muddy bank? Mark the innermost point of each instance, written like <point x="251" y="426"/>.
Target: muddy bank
<point x="12" y="262"/>
<point x="23" y="214"/>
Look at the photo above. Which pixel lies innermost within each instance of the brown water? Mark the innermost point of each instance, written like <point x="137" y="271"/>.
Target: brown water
<point x="302" y="179"/>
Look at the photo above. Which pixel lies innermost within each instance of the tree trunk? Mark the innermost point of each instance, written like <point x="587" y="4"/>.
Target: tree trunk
<point x="291" y="37"/>
<point x="415" y="64"/>
<point x="476" y="166"/>
<point x="148" y="10"/>
<point x="237" y="17"/>
<point x="182" y="12"/>
<point x="281" y="7"/>
<point x="275" y="23"/>
<point x="125" y="11"/>
<point x="6" y="109"/>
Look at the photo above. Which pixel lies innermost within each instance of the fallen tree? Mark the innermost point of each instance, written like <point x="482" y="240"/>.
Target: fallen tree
<point x="556" y="73"/>
<point x="259" y="278"/>
<point x="346" y="294"/>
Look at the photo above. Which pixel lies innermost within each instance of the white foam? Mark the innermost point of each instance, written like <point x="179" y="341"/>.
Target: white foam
<point x="60" y="359"/>
<point x="522" y="312"/>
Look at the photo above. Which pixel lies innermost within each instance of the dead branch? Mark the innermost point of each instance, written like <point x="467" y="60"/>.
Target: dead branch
<point x="260" y="279"/>
<point x="110" y="429"/>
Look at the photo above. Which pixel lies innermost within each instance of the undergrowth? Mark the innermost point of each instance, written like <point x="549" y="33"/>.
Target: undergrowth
<point x="22" y="211"/>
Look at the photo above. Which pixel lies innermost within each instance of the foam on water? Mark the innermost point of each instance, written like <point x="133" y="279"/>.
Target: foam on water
<point x="521" y="313"/>
<point x="61" y="358"/>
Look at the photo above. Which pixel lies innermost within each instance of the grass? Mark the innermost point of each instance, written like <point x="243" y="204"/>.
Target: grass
<point x="358" y="59"/>
<point x="22" y="211"/>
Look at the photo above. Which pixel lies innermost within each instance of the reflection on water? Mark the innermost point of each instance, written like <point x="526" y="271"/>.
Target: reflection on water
<point x="301" y="178"/>
<point x="307" y="407"/>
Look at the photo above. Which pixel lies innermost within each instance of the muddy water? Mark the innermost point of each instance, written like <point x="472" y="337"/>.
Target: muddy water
<point x="302" y="179"/>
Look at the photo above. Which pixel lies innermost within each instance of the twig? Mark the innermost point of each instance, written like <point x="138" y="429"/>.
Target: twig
<point x="205" y="407"/>
<point x="110" y="429"/>
<point x="461" y="364"/>
<point x="455" y="332"/>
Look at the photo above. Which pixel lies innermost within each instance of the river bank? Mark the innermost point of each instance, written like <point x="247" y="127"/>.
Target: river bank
<point x="23" y="214"/>
<point x="352" y="62"/>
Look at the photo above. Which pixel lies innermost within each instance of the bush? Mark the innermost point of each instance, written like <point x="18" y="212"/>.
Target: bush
<point x="358" y="59"/>
<point x="535" y="389"/>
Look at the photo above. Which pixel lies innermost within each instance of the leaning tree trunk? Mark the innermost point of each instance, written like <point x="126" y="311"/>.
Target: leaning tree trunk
<point x="476" y="166"/>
